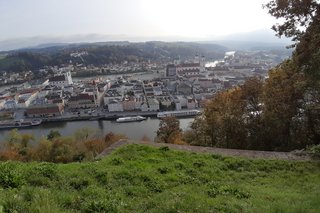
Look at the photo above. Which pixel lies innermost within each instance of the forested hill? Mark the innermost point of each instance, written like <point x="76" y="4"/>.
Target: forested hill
<point x="105" y="53"/>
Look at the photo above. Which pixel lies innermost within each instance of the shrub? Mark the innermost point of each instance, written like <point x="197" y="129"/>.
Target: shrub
<point x="10" y="177"/>
<point x="79" y="183"/>
<point x="100" y="206"/>
<point x="164" y="148"/>
<point x="199" y="164"/>
<point x="47" y="170"/>
<point x="215" y="190"/>
<point x="163" y="170"/>
<point x="116" y="161"/>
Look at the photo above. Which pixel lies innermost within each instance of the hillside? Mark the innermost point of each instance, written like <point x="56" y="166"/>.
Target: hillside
<point x="139" y="178"/>
<point x="105" y="53"/>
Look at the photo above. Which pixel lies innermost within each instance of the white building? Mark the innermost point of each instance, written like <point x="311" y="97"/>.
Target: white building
<point x="61" y="80"/>
<point x="10" y="104"/>
<point x="111" y="95"/>
<point x="115" y="105"/>
<point x="153" y="104"/>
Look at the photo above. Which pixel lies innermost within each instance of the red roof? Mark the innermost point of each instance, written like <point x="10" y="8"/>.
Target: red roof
<point x="26" y="91"/>
<point x="43" y="110"/>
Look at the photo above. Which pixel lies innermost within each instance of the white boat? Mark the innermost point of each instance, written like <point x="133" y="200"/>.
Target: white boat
<point x="20" y="124"/>
<point x="182" y="113"/>
<point x="131" y="119"/>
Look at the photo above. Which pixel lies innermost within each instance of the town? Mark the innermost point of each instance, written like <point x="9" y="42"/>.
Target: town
<point x="179" y="85"/>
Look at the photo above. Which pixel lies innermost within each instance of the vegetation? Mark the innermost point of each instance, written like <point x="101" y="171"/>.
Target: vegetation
<point x="281" y="113"/>
<point x="99" y="54"/>
<point x="84" y="145"/>
<point x="169" y="130"/>
<point x="139" y="178"/>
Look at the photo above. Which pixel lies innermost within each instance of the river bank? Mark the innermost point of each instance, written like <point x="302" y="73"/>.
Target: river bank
<point x="134" y="131"/>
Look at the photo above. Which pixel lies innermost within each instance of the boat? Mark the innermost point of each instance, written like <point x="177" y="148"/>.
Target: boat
<point x="130" y="119"/>
<point x="180" y="113"/>
<point x="20" y="123"/>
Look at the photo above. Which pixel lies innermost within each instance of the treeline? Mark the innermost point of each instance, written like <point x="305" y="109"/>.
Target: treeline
<point x="282" y="112"/>
<point x="83" y="145"/>
<point x="98" y="54"/>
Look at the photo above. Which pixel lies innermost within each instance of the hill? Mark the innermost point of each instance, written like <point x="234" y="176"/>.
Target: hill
<point x="139" y="178"/>
<point x="101" y="53"/>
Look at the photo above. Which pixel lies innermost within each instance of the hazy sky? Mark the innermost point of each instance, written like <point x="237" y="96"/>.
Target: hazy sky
<point x="147" y="18"/>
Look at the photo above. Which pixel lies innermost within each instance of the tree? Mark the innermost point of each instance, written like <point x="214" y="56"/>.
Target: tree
<point x="198" y="134"/>
<point x="53" y="134"/>
<point x="298" y="16"/>
<point x="283" y="99"/>
<point x="302" y="23"/>
<point x="224" y="116"/>
<point x="169" y="130"/>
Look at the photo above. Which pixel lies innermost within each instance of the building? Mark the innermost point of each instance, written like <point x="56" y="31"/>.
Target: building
<point x="187" y="69"/>
<point x="115" y="105"/>
<point x="45" y="111"/>
<point x="129" y="104"/>
<point x="110" y="95"/>
<point x="191" y="103"/>
<point x="62" y="80"/>
<point x="153" y="104"/>
<point x="171" y="70"/>
<point x="10" y="104"/>
<point x="82" y="101"/>
<point x="184" y="88"/>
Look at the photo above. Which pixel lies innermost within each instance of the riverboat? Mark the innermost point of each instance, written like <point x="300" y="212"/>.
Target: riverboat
<point x="130" y="119"/>
<point x="180" y="113"/>
<point x="20" y="123"/>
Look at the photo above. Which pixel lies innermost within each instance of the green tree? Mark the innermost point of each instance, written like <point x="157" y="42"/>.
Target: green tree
<point x="301" y="21"/>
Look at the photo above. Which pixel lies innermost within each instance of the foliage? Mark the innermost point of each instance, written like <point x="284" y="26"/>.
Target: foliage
<point x="283" y="112"/>
<point x="298" y="16"/>
<point x="53" y="134"/>
<point x="101" y="54"/>
<point x="84" y="145"/>
<point x="169" y="130"/>
<point x="140" y="178"/>
<point x="10" y="176"/>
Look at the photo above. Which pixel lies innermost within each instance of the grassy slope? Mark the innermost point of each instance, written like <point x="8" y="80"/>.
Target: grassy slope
<point x="139" y="178"/>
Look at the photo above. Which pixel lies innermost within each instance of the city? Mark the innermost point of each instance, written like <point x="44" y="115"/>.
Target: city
<point x="176" y="86"/>
<point x="173" y="106"/>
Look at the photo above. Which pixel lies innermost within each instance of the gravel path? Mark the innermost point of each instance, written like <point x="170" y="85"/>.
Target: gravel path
<point x="220" y="151"/>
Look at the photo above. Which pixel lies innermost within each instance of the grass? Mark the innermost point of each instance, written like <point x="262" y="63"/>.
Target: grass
<point x="139" y="178"/>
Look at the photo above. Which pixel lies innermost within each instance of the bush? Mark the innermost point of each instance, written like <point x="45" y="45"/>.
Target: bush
<point x="79" y="183"/>
<point x="116" y="161"/>
<point x="314" y="150"/>
<point x="215" y="190"/>
<point x="47" y="170"/>
<point x="164" y="148"/>
<point x="163" y="170"/>
<point x="10" y="177"/>
<point x="100" y="206"/>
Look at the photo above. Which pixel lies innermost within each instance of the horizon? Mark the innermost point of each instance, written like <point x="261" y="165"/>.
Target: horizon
<point x="135" y="20"/>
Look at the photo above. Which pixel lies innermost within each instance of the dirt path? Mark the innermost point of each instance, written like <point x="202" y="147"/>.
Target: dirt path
<point x="220" y="151"/>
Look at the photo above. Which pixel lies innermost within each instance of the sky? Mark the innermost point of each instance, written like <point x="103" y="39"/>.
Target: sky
<point x="198" y="19"/>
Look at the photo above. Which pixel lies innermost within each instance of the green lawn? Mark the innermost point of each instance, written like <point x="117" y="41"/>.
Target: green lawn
<point x="139" y="178"/>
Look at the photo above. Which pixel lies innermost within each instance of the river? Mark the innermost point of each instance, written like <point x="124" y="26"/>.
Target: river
<point x="133" y="130"/>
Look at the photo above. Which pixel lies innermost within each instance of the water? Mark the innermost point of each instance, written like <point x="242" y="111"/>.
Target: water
<point x="133" y="130"/>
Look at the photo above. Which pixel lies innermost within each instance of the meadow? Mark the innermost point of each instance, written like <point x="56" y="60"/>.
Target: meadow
<point x="139" y="178"/>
